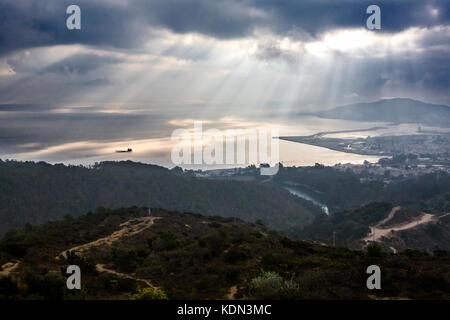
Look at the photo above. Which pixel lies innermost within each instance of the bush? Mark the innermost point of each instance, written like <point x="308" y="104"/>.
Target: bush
<point x="125" y="259"/>
<point x="231" y="273"/>
<point x="271" y="286"/>
<point x="374" y="250"/>
<point x="87" y="266"/>
<point x="168" y="241"/>
<point x="150" y="294"/>
<point x="440" y="253"/>
<point x="236" y="254"/>
<point x="217" y="242"/>
<point x="49" y="287"/>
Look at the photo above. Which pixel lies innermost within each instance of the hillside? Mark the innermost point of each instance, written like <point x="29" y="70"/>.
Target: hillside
<point x="392" y="110"/>
<point x="394" y="227"/>
<point x="127" y="254"/>
<point x="342" y="190"/>
<point x="40" y="192"/>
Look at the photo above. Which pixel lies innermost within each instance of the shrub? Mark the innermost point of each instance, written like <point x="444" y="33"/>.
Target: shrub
<point x="231" y="273"/>
<point x="125" y="259"/>
<point x="50" y="286"/>
<point x="168" y="241"/>
<point x="217" y="242"/>
<point x="271" y="286"/>
<point x="374" y="250"/>
<point x="236" y="254"/>
<point x="440" y="253"/>
<point x="87" y="266"/>
<point x="150" y="294"/>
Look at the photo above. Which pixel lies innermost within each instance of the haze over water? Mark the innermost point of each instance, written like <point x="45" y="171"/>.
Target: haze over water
<point x="90" y="147"/>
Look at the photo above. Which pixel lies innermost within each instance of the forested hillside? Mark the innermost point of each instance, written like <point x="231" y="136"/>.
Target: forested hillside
<point x="126" y="254"/>
<point x="39" y="192"/>
<point x="349" y="226"/>
<point x="398" y="228"/>
<point x="341" y="190"/>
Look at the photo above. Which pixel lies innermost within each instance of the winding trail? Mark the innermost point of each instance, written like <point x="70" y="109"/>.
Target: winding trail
<point x="447" y="214"/>
<point x="101" y="268"/>
<point x="129" y="228"/>
<point x="390" y="216"/>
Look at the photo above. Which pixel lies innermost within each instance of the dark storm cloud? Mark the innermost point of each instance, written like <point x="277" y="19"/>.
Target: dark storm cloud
<point x="221" y="19"/>
<point x="30" y="23"/>
<point x="320" y="15"/>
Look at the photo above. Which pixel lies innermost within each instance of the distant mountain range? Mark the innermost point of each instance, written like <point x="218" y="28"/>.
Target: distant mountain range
<point x="392" y="110"/>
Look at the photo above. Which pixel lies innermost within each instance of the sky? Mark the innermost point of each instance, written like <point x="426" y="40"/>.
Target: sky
<point x="139" y="68"/>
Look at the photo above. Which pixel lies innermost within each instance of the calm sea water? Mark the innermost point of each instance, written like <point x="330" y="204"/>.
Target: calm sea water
<point x="157" y="150"/>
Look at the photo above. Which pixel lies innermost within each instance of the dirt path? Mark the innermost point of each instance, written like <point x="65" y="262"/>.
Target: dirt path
<point x="389" y="217"/>
<point x="101" y="268"/>
<point x="447" y="214"/>
<point x="129" y="228"/>
<point x="7" y="268"/>
<point x="376" y="232"/>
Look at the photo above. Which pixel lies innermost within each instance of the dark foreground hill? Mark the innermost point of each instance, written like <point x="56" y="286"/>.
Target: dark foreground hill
<point x="40" y="192"/>
<point x="393" y="110"/>
<point x="127" y="254"/>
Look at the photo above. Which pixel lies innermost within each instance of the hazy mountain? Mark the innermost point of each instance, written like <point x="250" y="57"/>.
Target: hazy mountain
<point x="392" y="110"/>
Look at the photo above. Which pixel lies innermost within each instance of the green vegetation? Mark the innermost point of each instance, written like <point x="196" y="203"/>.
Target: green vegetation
<point x="350" y="226"/>
<point x="40" y="192"/>
<point x="344" y="190"/>
<point x="271" y="286"/>
<point x="189" y="256"/>
<point x="150" y="294"/>
<point x="439" y="203"/>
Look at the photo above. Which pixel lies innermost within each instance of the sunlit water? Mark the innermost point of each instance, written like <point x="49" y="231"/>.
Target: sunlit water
<point x="158" y="150"/>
